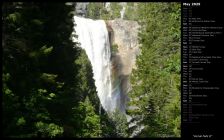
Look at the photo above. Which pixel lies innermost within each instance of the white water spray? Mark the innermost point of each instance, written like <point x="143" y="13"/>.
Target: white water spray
<point x="93" y="36"/>
<point x="122" y="12"/>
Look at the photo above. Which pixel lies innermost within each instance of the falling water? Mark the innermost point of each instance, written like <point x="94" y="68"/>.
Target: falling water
<point x="93" y="36"/>
<point x="122" y="12"/>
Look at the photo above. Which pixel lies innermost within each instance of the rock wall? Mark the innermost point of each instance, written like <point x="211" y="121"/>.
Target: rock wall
<point x="124" y="33"/>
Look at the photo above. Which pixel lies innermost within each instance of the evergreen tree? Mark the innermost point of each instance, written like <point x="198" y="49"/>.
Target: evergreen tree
<point x="38" y="70"/>
<point x="86" y="120"/>
<point x="156" y="81"/>
<point x="97" y="10"/>
<point x="48" y="86"/>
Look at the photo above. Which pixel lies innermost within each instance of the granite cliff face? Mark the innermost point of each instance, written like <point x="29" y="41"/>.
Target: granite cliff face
<point x="124" y="33"/>
<point x="111" y="69"/>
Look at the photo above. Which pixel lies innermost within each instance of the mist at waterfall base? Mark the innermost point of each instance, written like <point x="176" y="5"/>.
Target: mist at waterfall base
<point x="94" y="39"/>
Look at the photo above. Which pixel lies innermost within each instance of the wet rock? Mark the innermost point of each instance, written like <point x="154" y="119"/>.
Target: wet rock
<point x="123" y="33"/>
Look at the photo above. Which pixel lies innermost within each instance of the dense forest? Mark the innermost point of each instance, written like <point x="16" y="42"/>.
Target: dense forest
<point x="48" y="86"/>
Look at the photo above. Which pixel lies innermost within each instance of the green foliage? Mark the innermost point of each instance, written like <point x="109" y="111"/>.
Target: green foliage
<point x="131" y="11"/>
<point x="45" y="50"/>
<point x="121" y="125"/>
<point x="86" y="120"/>
<point x="86" y="84"/>
<point x="156" y="81"/>
<point x="114" y="48"/>
<point x="49" y="130"/>
<point x="114" y="125"/>
<point x="97" y="10"/>
<point x="38" y="69"/>
<point x="48" y="77"/>
<point x="115" y="10"/>
<point x="48" y="89"/>
<point x="14" y="17"/>
<point x="21" y="121"/>
<point x="94" y="10"/>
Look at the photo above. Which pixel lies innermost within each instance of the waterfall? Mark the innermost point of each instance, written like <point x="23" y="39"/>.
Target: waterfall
<point x="93" y="37"/>
<point x="122" y="12"/>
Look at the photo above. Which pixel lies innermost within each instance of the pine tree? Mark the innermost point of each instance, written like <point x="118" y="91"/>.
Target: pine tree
<point x="39" y="72"/>
<point x="156" y="81"/>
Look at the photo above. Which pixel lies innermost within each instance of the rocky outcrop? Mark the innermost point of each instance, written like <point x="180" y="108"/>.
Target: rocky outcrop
<point x="124" y="33"/>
